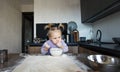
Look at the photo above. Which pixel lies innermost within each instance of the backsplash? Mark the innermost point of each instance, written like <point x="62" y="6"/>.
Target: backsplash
<point x="110" y="27"/>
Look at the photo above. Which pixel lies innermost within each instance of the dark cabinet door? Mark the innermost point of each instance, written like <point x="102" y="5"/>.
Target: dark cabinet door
<point x="92" y="10"/>
<point x="27" y="29"/>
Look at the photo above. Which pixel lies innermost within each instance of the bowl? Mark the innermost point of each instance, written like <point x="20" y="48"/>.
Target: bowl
<point x="116" y="40"/>
<point x="103" y="63"/>
<point x="56" y="51"/>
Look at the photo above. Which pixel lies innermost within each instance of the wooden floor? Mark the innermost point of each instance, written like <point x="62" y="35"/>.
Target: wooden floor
<point x="12" y="60"/>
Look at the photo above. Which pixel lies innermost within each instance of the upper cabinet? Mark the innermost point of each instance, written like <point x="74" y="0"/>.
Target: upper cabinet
<point x="93" y="10"/>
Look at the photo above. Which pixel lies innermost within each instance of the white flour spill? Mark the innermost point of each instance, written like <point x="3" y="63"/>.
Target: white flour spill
<point x="83" y="67"/>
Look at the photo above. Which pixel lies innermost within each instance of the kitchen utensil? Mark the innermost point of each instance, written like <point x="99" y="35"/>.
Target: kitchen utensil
<point x="56" y="51"/>
<point x="98" y="36"/>
<point x="104" y="63"/>
<point x="71" y="26"/>
<point x="75" y="34"/>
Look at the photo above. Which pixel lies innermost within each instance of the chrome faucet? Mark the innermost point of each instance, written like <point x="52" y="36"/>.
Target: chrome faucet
<point x="98" y="36"/>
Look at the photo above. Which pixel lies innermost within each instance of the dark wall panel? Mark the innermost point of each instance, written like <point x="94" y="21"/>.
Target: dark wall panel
<point x="42" y="33"/>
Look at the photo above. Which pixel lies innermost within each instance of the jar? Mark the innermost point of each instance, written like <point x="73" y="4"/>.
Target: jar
<point x="75" y="33"/>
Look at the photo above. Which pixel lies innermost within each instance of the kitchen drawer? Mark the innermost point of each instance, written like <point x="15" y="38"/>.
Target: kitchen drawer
<point x="34" y="49"/>
<point x="73" y="49"/>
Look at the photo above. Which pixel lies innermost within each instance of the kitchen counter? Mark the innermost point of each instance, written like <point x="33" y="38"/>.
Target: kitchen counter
<point x="16" y="59"/>
<point x="34" y="48"/>
<point x="103" y="48"/>
<point x="40" y="44"/>
<point x="54" y="64"/>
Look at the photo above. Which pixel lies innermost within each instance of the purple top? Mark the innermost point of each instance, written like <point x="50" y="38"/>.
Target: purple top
<point x="50" y="43"/>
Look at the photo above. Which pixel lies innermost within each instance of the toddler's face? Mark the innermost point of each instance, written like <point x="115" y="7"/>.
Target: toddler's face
<point x="56" y="37"/>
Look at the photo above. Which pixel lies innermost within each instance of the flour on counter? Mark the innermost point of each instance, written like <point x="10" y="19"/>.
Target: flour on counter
<point x="32" y="63"/>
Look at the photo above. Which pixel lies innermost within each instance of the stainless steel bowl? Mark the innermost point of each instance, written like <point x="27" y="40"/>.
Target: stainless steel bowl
<point x="104" y="63"/>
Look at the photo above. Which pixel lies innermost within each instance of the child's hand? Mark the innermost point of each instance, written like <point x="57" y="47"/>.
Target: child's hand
<point x="59" y="44"/>
<point x="46" y="47"/>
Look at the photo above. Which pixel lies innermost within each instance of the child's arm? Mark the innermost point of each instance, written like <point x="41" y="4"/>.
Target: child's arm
<point x="63" y="46"/>
<point x="45" y="48"/>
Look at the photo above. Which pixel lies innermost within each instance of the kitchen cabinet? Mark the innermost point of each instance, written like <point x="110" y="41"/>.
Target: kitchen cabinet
<point x="93" y="10"/>
<point x="73" y="49"/>
<point x="84" y="50"/>
<point x="34" y="49"/>
<point x="106" y="48"/>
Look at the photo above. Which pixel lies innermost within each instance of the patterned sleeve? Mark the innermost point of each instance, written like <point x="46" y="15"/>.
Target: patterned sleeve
<point x="42" y="49"/>
<point x="65" y="49"/>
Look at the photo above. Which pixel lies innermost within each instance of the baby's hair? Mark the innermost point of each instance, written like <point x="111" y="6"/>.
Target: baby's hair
<point x="52" y="26"/>
<point x="53" y="31"/>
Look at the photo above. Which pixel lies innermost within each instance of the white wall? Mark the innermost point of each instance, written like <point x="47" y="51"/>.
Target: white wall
<point x="27" y="8"/>
<point x="10" y="26"/>
<point x="110" y="27"/>
<point x="27" y="5"/>
<point x="59" y="11"/>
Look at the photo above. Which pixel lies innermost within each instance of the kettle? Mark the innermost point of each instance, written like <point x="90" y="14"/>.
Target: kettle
<point x="98" y="36"/>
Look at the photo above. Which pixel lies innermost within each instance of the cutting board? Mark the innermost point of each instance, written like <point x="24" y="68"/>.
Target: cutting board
<point x="47" y="64"/>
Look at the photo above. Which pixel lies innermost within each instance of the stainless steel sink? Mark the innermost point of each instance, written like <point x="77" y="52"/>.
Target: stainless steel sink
<point x="104" y="63"/>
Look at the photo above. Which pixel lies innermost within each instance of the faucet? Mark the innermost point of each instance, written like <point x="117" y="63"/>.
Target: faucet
<point x="98" y="36"/>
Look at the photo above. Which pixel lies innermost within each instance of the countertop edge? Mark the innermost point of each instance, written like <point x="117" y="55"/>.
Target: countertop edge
<point x="101" y="49"/>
